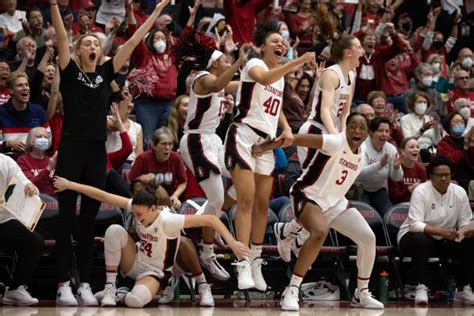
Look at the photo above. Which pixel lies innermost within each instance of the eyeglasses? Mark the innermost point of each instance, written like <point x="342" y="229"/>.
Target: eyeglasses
<point x="442" y="175"/>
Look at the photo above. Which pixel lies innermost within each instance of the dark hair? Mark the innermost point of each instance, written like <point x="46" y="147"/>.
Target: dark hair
<point x="32" y="9"/>
<point x="264" y="30"/>
<point x="405" y="142"/>
<point x="375" y="123"/>
<point x="354" y="114"/>
<point x="338" y="47"/>
<point x="191" y="54"/>
<point x="148" y="193"/>
<point x="439" y="161"/>
<point x="447" y="121"/>
<point x="310" y="79"/>
<point x="151" y="35"/>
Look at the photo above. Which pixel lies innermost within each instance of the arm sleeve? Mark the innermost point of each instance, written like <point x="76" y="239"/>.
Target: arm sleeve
<point x="117" y="158"/>
<point x="416" y="213"/>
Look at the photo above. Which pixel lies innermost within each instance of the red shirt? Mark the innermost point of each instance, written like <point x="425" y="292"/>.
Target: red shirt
<point x="193" y="190"/>
<point x="399" y="190"/>
<point x="35" y="170"/>
<point x="169" y="174"/>
<point x="4" y="95"/>
<point x="117" y="158"/>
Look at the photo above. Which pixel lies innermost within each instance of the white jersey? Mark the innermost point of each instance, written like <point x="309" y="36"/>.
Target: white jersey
<point x="341" y="96"/>
<point x="259" y="106"/>
<point x="204" y="111"/>
<point x="158" y="242"/>
<point x="331" y="172"/>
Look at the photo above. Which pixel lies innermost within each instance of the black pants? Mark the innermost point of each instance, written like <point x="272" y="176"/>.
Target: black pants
<point x="14" y="236"/>
<point x="82" y="162"/>
<point x="421" y="246"/>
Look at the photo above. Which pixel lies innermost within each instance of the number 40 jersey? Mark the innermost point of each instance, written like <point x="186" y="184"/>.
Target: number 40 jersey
<point x="331" y="172"/>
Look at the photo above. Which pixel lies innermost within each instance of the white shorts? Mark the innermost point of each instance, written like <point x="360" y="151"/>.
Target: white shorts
<point x="305" y="154"/>
<point x="238" y="147"/>
<point x="141" y="270"/>
<point x="203" y="153"/>
<point x="298" y="201"/>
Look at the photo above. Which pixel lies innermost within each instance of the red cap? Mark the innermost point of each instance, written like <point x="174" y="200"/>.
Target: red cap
<point x="87" y="4"/>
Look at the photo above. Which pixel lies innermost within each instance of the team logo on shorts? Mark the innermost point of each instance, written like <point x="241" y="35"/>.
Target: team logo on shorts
<point x="433" y="206"/>
<point x="200" y="172"/>
<point x="230" y="161"/>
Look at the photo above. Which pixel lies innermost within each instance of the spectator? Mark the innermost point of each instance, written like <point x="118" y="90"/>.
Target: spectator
<point x="378" y="101"/>
<point x="464" y="61"/>
<point x="382" y="162"/>
<point x="37" y="166"/>
<point x="107" y="10"/>
<point x="26" y="48"/>
<point x="33" y="27"/>
<point x="440" y="80"/>
<point x="86" y="20"/>
<point x="134" y="130"/>
<point x="424" y="80"/>
<point x="301" y="24"/>
<point x="460" y="90"/>
<point x="14" y="236"/>
<point x="431" y="229"/>
<point x="11" y="19"/>
<point x="166" y="165"/>
<point x="154" y="81"/>
<point x="414" y="172"/>
<point x="43" y="78"/>
<point x="463" y="106"/>
<point x="458" y="149"/>
<point x="367" y="110"/>
<point x="19" y="115"/>
<point x="177" y="117"/>
<point x="418" y="124"/>
<point x="4" y="73"/>
<point x="293" y="106"/>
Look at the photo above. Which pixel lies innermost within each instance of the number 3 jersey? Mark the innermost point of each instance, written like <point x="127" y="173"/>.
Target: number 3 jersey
<point x="331" y="172"/>
<point x="204" y="111"/>
<point x="259" y="106"/>
<point x="158" y="242"/>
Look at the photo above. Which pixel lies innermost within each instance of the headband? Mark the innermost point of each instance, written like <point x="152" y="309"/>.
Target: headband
<point x="215" y="56"/>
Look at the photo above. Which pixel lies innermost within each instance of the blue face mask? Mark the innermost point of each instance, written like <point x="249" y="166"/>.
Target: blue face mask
<point x="285" y="34"/>
<point x="458" y="130"/>
<point x="41" y="144"/>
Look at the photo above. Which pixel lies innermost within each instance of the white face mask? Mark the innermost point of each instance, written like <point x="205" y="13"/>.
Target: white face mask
<point x="436" y="67"/>
<point x="41" y="144"/>
<point x="427" y="81"/>
<point x="465" y="112"/>
<point x="467" y="63"/>
<point x="160" y="46"/>
<point x="420" y="108"/>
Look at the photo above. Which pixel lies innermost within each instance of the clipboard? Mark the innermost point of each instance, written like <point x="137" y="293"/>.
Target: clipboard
<point x="26" y="209"/>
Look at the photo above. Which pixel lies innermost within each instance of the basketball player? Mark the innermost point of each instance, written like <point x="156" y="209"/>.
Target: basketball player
<point x="318" y="197"/>
<point x="158" y="231"/>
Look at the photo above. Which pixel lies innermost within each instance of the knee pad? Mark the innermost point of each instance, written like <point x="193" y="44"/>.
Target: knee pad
<point x="115" y="238"/>
<point x="138" y="297"/>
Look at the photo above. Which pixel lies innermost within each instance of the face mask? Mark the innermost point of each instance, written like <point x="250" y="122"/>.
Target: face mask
<point x="437" y="45"/>
<point x="467" y="63"/>
<point x="436" y="67"/>
<point x="458" y="130"/>
<point x="41" y="144"/>
<point x="465" y="112"/>
<point x="160" y="46"/>
<point x="427" y="81"/>
<point x="406" y="27"/>
<point x="420" y="108"/>
<point x="285" y="34"/>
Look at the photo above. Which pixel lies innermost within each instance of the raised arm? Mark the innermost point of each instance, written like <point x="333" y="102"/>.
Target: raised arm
<point x="268" y="77"/>
<point x="124" y="53"/>
<point x="61" y="35"/>
<point x="61" y="184"/>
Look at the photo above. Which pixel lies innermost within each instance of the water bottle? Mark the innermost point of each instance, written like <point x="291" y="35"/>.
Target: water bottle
<point x="383" y="286"/>
<point x="451" y="290"/>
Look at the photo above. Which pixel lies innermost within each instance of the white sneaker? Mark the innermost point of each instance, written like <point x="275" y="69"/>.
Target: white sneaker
<point x="244" y="275"/>
<point x="108" y="298"/>
<point x="296" y="246"/>
<point x="85" y="296"/>
<point x="465" y="296"/>
<point x="64" y="295"/>
<point x="284" y="243"/>
<point x="257" y="275"/>
<point x="364" y="299"/>
<point x="205" y="295"/>
<point x="290" y="298"/>
<point x="215" y="269"/>
<point x="19" y="297"/>
<point x="421" y="296"/>
<point x="167" y="295"/>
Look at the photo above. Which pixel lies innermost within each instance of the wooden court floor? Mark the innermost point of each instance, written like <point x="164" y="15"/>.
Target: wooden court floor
<point x="241" y="308"/>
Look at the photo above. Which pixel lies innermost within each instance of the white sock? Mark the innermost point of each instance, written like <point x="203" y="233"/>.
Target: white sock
<point x="362" y="283"/>
<point x="138" y="297"/>
<point x="200" y="278"/>
<point x="110" y="276"/>
<point x="296" y="280"/>
<point x="256" y="250"/>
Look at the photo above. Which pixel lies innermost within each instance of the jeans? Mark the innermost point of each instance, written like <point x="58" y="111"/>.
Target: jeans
<point x="151" y="114"/>
<point x="378" y="200"/>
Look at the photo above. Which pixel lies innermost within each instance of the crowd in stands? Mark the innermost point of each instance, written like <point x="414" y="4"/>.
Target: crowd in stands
<point x="111" y="93"/>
